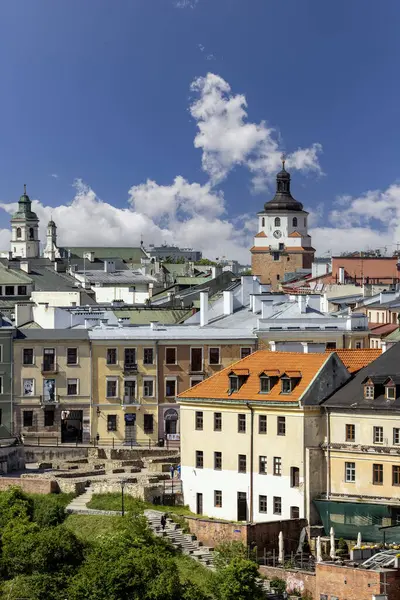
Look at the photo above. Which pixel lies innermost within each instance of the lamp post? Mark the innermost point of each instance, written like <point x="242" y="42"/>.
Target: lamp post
<point x="123" y="483"/>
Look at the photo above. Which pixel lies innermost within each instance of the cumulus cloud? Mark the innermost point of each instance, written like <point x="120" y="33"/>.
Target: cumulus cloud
<point x="228" y="139"/>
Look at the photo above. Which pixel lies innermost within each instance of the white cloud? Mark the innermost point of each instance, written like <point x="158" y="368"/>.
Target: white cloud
<point x="54" y="175"/>
<point x="227" y="139"/>
<point x="186" y="3"/>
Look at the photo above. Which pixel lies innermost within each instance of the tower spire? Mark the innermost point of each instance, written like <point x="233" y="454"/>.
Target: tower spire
<point x="283" y="159"/>
<point x="24" y="189"/>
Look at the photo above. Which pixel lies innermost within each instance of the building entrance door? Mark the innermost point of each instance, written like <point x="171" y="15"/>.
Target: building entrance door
<point x="242" y="506"/>
<point x="130" y="428"/>
<point x="199" y="504"/>
<point x="71" y="426"/>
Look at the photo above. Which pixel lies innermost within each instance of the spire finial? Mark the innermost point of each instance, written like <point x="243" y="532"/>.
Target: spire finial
<point x="24" y="189"/>
<point x="283" y="159"/>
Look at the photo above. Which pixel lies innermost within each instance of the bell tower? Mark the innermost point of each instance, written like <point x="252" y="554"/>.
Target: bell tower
<point x="282" y="244"/>
<point x="51" y="251"/>
<point x="24" y="230"/>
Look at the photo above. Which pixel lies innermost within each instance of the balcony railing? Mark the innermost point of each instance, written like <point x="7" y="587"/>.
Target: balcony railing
<point x="130" y="367"/>
<point x="49" y="368"/>
<point x="49" y="401"/>
<point x="130" y="400"/>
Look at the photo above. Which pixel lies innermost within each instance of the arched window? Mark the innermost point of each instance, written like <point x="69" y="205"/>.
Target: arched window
<point x="19" y="232"/>
<point x="277" y="222"/>
<point x="31" y="233"/>
<point x="294" y="221"/>
<point x="263" y="222"/>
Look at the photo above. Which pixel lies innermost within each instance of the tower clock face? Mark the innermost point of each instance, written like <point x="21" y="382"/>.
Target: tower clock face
<point x="277" y="234"/>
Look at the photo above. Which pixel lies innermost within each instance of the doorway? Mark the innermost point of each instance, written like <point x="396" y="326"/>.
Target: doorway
<point x="130" y="428"/>
<point x="199" y="504"/>
<point x="196" y="360"/>
<point x="71" y="426"/>
<point x="242" y="506"/>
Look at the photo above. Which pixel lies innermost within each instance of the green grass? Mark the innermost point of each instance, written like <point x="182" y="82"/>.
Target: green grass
<point x="190" y="570"/>
<point x="89" y="528"/>
<point x="113" y="502"/>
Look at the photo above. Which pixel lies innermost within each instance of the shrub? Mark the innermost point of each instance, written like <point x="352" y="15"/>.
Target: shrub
<point x="49" y="511"/>
<point x="226" y="552"/>
<point x="278" y="584"/>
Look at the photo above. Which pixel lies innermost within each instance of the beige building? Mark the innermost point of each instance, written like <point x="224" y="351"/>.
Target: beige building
<point x="52" y="384"/>
<point x="363" y="451"/>
<point x="251" y="436"/>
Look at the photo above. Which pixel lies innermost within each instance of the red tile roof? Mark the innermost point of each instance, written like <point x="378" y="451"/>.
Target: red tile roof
<point x="354" y="360"/>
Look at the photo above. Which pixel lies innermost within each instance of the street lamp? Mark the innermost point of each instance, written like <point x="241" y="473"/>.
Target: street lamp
<point x="123" y="484"/>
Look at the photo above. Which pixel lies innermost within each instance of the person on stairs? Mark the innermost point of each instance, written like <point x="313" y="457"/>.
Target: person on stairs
<point x="163" y="521"/>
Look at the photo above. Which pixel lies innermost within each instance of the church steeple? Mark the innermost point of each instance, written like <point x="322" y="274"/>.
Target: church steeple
<point x="25" y="229"/>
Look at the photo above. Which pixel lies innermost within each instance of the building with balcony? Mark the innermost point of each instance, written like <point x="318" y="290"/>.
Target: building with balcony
<point x="52" y="384"/>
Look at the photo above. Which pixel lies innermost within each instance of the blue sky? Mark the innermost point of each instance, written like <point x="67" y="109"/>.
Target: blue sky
<point x="100" y="91"/>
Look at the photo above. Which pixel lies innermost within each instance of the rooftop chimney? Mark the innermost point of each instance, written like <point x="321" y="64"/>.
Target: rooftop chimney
<point x="228" y="302"/>
<point x="302" y="303"/>
<point x="109" y="266"/>
<point x="25" y="266"/>
<point x="203" y="308"/>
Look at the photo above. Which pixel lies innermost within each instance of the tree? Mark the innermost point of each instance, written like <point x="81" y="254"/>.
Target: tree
<point x="206" y="262"/>
<point x="226" y="552"/>
<point x="239" y="581"/>
<point x="35" y="587"/>
<point x="14" y="504"/>
<point x="48" y="511"/>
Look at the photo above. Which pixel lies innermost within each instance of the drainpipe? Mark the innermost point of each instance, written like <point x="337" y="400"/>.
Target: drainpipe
<point x="91" y="390"/>
<point x="328" y="455"/>
<point x="251" y="460"/>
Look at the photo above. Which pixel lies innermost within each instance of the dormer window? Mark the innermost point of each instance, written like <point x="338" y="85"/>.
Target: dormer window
<point x="390" y="392"/>
<point x="391" y="384"/>
<point x="233" y="383"/>
<point x="265" y="385"/>
<point x="369" y="392"/>
<point x="286" y="385"/>
<point x="237" y="378"/>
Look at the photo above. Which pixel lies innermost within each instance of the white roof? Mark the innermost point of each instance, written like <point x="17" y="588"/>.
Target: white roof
<point x="170" y="332"/>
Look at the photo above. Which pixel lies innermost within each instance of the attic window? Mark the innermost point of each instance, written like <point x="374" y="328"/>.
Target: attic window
<point x="289" y="380"/>
<point x="286" y="385"/>
<point x="369" y="392"/>
<point x="265" y="385"/>
<point x="391" y="392"/>
<point x="233" y="383"/>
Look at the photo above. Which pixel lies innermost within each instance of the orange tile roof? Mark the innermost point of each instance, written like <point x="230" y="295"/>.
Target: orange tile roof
<point x="261" y="234"/>
<point x="217" y="386"/>
<point x="240" y="371"/>
<point x="354" y="360"/>
<point x="293" y="373"/>
<point x="271" y="372"/>
<point x="295" y="234"/>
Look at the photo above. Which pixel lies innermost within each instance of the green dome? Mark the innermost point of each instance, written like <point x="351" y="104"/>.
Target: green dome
<point x="24" y="208"/>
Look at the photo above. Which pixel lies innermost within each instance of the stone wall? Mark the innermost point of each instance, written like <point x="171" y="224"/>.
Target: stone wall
<point x="42" y="454"/>
<point x="30" y="485"/>
<point x="304" y="581"/>
<point x="12" y="458"/>
<point x="263" y="535"/>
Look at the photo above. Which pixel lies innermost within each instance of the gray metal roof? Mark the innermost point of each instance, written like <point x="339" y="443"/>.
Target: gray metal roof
<point x="126" y="277"/>
<point x="169" y="332"/>
<point x="52" y="334"/>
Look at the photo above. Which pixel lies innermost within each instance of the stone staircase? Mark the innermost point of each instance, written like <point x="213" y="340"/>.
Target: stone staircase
<point x="185" y="542"/>
<point x="79" y="503"/>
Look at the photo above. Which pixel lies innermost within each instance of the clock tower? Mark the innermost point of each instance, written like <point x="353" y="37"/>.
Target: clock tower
<point x="282" y="244"/>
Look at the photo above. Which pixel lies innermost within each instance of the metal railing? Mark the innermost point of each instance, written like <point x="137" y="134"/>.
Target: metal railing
<point x="46" y="401"/>
<point x="111" y="442"/>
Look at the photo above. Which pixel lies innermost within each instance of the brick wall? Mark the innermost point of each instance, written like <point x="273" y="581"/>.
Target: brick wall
<point x="355" y="584"/>
<point x="262" y="535"/>
<point x="295" y="580"/>
<point x="267" y="269"/>
<point x="30" y="485"/>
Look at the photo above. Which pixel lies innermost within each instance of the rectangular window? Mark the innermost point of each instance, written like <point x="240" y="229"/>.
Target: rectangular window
<point x="294" y="512"/>
<point x="148" y="388"/>
<point x="27" y="356"/>
<point x="330" y="345"/>
<point x="130" y="357"/>
<point x="218" y="461"/>
<point x="129" y="391"/>
<point x="195" y="381"/>
<point x="148" y="424"/>
<point x="262" y="504"/>
<point x="277" y="505"/>
<point x="1" y="384"/>
<point x="391" y="393"/>
<point x="170" y="388"/>
<point x="396" y="435"/>
<point x="276" y="255"/>
<point x="233" y="383"/>
<point x="395" y="475"/>
<point x="281" y="426"/>
<point x="245" y="352"/>
<point x="262" y="424"/>
<point x="241" y="423"/>
<point x="111" y="390"/>
<point x="218" y="498"/>
<point x="196" y="359"/>
<point x="111" y="422"/>
<point x="9" y="290"/>
<point x="22" y="290"/>
<point x="378" y="435"/>
<point x="28" y="387"/>
<point x="294" y="476"/>
<point x="350" y="432"/>
<point x="27" y="418"/>
<point x="262" y="465"/>
<point x="369" y="392"/>
<point x="170" y="356"/>
<point x="377" y="474"/>
<point x="217" y="421"/>
<point x="148" y="356"/>
<point x="72" y="356"/>
<point x="48" y="418"/>
<point x="350" y="472"/>
<point x="72" y="387"/>
<point x="277" y="465"/>
<point x="199" y="459"/>
<point x="111" y="356"/>
<point x="286" y="385"/>
<point x="242" y="463"/>
<point x="199" y="420"/>
<point x="49" y="357"/>
<point x="214" y="356"/>
<point x="265" y="385"/>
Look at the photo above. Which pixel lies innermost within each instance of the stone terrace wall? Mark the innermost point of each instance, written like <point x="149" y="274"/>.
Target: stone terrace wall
<point x="304" y="581"/>
<point x="30" y="485"/>
<point x="263" y="535"/>
<point x="43" y="454"/>
<point x="12" y="458"/>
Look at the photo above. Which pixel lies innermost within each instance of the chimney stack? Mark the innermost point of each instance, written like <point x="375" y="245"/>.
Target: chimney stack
<point x="228" y="302"/>
<point x="203" y="309"/>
